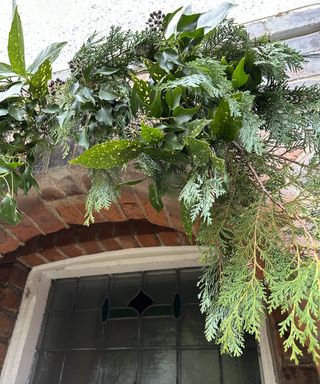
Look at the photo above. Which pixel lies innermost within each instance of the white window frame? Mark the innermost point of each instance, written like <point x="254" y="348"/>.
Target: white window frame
<point x="18" y="362"/>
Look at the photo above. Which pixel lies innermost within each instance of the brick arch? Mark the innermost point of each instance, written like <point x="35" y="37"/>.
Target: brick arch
<point x="60" y="205"/>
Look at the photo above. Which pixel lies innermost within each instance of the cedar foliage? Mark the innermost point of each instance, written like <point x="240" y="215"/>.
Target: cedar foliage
<point x="218" y="113"/>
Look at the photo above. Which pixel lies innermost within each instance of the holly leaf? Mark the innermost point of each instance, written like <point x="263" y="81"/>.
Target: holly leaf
<point x="16" y="45"/>
<point x="110" y="154"/>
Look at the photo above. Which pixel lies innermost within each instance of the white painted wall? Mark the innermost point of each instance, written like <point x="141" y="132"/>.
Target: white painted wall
<point x="47" y="21"/>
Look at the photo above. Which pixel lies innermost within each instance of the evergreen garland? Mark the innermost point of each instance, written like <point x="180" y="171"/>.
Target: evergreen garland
<point x="207" y="115"/>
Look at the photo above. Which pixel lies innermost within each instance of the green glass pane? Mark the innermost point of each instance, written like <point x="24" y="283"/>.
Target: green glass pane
<point x="62" y="295"/>
<point x="124" y="287"/>
<point x="81" y="367"/>
<point x="120" y="333"/>
<point x="91" y="292"/>
<point x="159" y="367"/>
<point x="118" y="367"/>
<point x="159" y="332"/>
<point x="192" y="326"/>
<point x="188" y="279"/>
<point x="160" y="285"/>
<point x="86" y="329"/>
<point x="48" y="368"/>
<point x="200" y="366"/>
<point x="241" y="370"/>
<point x="56" y="332"/>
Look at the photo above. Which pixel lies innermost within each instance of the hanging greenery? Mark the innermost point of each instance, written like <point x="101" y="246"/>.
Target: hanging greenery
<point x="205" y="112"/>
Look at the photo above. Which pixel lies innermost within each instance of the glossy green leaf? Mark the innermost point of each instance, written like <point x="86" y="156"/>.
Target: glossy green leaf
<point x="110" y="154"/>
<point x="151" y="135"/>
<point x="14" y="90"/>
<point x="85" y="95"/>
<point x="3" y="112"/>
<point x="10" y="165"/>
<point x="202" y="154"/>
<point x="8" y="211"/>
<point x="50" y="53"/>
<point x="211" y="19"/>
<point x="183" y="115"/>
<point x="171" y="142"/>
<point x="6" y="71"/>
<point x="173" y="97"/>
<point x="39" y="81"/>
<point x="64" y="117"/>
<point x="16" y="45"/>
<point x="195" y="127"/>
<point x="173" y="157"/>
<point x="104" y="115"/>
<point x="106" y="93"/>
<point x="155" y="198"/>
<point x="188" y="22"/>
<point x="156" y="105"/>
<point x="154" y="70"/>
<point x="172" y="21"/>
<point x="239" y="77"/>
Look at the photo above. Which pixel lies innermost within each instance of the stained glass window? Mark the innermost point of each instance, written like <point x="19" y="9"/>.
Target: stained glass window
<point x="135" y="328"/>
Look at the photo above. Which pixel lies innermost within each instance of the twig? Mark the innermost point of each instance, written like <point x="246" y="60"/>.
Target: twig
<point x="281" y="157"/>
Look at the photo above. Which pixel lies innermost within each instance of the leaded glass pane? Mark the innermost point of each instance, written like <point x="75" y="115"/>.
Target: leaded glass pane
<point x="81" y="367"/>
<point x="86" y="329"/>
<point x="48" y="367"/>
<point x="62" y="295"/>
<point x="118" y="367"/>
<point x="192" y="326"/>
<point x="159" y="332"/>
<point x="158" y="367"/>
<point x="91" y="292"/>
<point x="121" y="333"/>
<point x="200" y="366"/>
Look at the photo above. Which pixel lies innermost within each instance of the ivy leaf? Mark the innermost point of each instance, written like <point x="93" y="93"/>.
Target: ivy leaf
<point x="104" y="115"/>
<point x="27" y="180"/>
<point x="110" y="154"/>
<point x="3" y="112"/>
<point x="85" y="96"/>
<point x="202" y="154"/>
<point x="50" y="53"/>
<point x="39" y="81"/>
<point x="83" y="139"/>
<point x="64" y="117"/>
<point x="107" y="94"/>
<point x="167" y="59"/>
<point x="209" y="20"/>
<point x="239" y="77"/>
<point x="151" y="135"/>
<point x="8" y="211"/>
<point x="16" y="45"/>
<point x="173" y="96"/>
<point x="195" y="127"/>
<point x="14" y="90"/>
<point x="17" y="113"/>
<point x="155" y="198"/>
